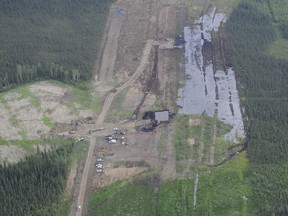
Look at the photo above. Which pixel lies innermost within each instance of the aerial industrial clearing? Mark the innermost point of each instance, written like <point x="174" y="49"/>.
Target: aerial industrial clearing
<point x="138" y="60"/>
<point x="142" y="63"/>
<point x="162" y="106"/>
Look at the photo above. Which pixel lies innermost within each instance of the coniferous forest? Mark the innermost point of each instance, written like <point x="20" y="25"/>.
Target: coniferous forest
<point x="263" y="83"/>
<point x="55" y="39"/>
<point x="33" y="185"/>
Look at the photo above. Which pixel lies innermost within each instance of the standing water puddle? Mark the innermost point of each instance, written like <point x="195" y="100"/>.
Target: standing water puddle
<point x="206" y="91"/>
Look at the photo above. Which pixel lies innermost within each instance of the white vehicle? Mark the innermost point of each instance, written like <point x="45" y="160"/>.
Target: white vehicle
<point x="112" y="141"/>
<point x="99" y="170"/>
<point x="79" y="208"/>
<point x="80" y="139"/>
<point x="99" y="165"/>
<point x="99" y="159"/>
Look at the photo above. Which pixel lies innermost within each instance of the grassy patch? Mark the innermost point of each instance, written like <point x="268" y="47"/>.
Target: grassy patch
<point x="279" y="48"/>
<point x="3" y="101"/>
<point x="80" y="148"/>
<point x="132" y="199"/>
<point x="82" y="95"/>
<point x="163" y="140"/>
<point x="224" y="190"/>
<point x="47" y="121"/>
<point x="279" y="9"/>
<point x="3" y="141"/>
<point x="224" y="6"/>
<point x="220" y="143"/>
<point x="26" y="93"/>
<point x="26" y="143"/>
<point x="116" y="111"/>
<point x="103" y="193"/>
<point x="207" y="135"/>
<point x="118" y="115"/>
<point x="176" y="198"/>
<point x="181" y="134"/>
<point x="14" y="121"/>
<point x="63" y="208"/>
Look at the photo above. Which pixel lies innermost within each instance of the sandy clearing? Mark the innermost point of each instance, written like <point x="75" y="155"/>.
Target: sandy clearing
<point x="191" y="141"/>
<point x="62" y="114"/>
<point x="27" y="113"/>
<point x="11" y="153"/>
<point x="33" y="129"/>
<point x="7" y="130"/>
<point x="86" y="113"/>
<point x="12" y="96"/>
<point x="193" y="122"/>
<point x="133" y="98"/>
<point x="16" y="105"/>
<point x="45" y="87"/>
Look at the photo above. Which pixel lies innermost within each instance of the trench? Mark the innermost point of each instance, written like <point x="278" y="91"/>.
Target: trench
<point x="150" y="84"/>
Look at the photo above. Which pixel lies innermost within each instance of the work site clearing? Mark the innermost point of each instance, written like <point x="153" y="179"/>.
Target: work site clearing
<point x="140" y="69"/>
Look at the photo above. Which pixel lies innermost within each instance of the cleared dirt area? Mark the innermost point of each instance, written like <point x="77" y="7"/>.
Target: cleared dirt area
<point x="138" y="59"/>
<point x="30" y="109"/>
<point x="145" y="27"/>
<point x="113" y="175"/>
<point x="11" y="153"/>
<point x="34" y="111"/>
<point x="71" y="179"/>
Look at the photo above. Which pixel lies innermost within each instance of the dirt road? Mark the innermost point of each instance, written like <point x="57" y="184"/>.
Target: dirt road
<point x="110" y="49"/>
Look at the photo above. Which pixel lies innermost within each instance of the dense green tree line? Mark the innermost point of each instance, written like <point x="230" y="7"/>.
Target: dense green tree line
<point x="263" y="82"/>
<point x="34" y="184"/>
<point x="49" y="39"/>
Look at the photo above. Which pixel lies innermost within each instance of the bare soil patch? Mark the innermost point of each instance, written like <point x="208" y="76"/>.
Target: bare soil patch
<point x="191" y="141"/>
<point x="11" y="153"/>
<point x="133" y="98"/>
<point x="71" y="179"/>
<point x="110" y="48"/>
<point x="112" y="175"/>
<point x="194" y="122"/>
<point x="8" y="129"/>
